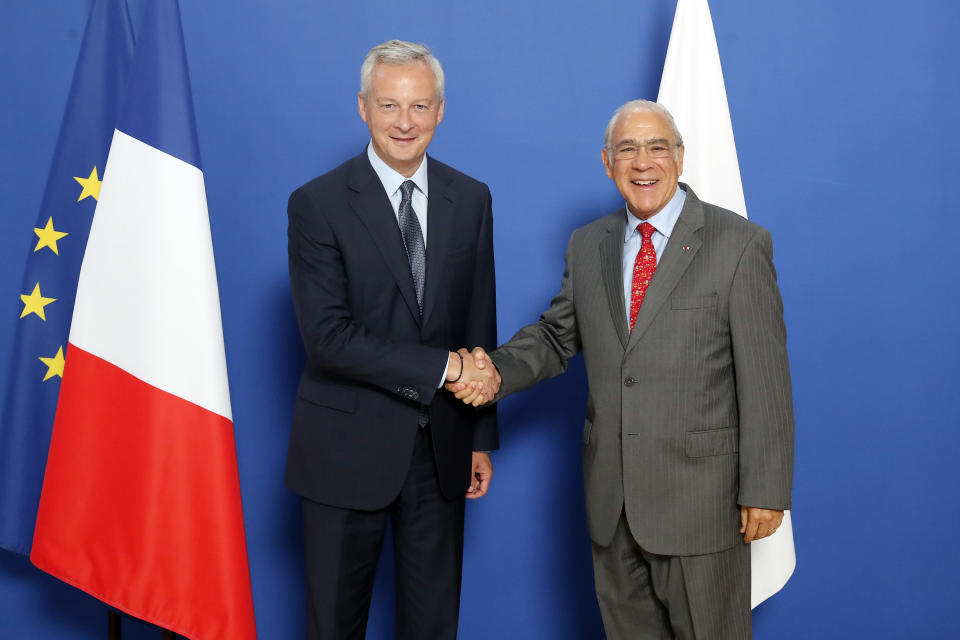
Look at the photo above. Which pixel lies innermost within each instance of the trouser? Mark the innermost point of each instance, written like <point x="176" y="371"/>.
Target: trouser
<point x="644" y="595"/>
<point x="342" y="547"/>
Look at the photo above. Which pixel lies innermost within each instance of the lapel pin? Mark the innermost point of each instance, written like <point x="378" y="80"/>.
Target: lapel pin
<point x="686" y="247"/>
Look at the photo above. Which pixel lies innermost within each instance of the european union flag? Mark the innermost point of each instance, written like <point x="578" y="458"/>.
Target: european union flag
<point x="57" y="243"/>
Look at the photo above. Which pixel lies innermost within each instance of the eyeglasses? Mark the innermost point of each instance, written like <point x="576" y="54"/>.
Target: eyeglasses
<point x="654" y="149"/>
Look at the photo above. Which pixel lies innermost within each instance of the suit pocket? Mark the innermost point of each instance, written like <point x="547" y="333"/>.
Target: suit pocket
<point x="696" y="302"/>
<point x="587" y="429"/>
<point x="712" y="442"/>
<point x="328" y="395"/>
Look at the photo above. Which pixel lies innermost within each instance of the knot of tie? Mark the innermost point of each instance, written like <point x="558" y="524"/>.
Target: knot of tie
<point x="646" y="230"/>
<point x="407" y="189"/>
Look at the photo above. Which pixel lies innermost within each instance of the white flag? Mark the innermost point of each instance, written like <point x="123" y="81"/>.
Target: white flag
<point x="692" y="89"/>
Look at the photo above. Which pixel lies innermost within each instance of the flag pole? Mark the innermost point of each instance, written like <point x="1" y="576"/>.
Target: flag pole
<point x="113" y="624"/>
<point x="113" y="627"/>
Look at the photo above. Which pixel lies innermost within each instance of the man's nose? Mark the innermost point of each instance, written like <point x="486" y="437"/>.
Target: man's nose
<point x="404" y="122"/>
<point x="642" y="160"/>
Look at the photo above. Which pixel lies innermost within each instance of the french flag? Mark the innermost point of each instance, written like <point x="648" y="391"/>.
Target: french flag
<point x="140" y="505"/>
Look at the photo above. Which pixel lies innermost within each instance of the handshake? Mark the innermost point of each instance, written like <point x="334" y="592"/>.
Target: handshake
<point x="477" y="381"/>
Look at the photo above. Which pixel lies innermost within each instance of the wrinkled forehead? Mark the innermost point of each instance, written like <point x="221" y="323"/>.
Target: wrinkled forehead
<point x="416" y="74"/>
<point x="642" y="127"/>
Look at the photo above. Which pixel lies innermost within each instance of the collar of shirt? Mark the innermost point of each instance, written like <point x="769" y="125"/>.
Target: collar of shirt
<point x="663" y="221"/>
<point x="392" y="179"/>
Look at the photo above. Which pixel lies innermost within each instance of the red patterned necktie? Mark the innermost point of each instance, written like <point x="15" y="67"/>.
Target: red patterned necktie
<point x="643" y="268"/>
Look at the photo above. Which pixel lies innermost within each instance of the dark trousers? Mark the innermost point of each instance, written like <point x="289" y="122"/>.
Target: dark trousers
<point x="342" y="547"/>
<point x="654" y="597"/>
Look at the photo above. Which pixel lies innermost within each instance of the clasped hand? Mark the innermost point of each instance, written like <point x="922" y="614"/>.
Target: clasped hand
<point x="479" y="380"/>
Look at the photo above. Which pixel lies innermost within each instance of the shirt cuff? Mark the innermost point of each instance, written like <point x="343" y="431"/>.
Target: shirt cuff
<point x="443" y="378"/>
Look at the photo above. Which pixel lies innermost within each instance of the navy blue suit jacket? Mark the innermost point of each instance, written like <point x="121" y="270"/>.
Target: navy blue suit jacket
<point x="371" y="360"/>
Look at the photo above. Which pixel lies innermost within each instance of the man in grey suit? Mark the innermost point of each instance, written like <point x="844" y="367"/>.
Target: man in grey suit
<point x="688" y="440"/>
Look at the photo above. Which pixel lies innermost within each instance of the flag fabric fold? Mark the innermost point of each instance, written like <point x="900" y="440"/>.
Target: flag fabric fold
<point x="692" y="88"/>
<point x="56" y="246"/>
<point x="141" y="502"/>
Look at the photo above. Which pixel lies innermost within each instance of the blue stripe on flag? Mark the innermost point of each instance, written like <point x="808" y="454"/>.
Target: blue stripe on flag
<point x="163" y="120"/>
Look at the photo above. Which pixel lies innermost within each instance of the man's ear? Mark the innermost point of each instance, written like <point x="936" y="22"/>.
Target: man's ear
<point x="607" y="163"/>
<point x="362" y="106"/>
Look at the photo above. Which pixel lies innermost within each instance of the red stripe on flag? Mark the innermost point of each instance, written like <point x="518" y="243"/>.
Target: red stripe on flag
<point x="141" y="504"/>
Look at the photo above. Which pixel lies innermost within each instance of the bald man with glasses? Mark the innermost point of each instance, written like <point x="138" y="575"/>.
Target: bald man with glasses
<point x="688" y="439"/>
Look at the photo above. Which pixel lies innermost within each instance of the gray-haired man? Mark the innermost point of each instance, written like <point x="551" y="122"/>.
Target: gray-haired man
<point x="688" y="441"/>
<point x="378" y="248"/>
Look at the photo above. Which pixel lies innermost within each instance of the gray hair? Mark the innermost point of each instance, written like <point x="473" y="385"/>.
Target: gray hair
<point x="640" y="105"/>
<point x="399" y="52"/>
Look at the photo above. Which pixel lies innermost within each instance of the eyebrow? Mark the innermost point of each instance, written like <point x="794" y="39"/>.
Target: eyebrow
<point x="647" y="141"/>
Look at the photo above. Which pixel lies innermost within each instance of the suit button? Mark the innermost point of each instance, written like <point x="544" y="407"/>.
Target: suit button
<point x="629" y="381"/>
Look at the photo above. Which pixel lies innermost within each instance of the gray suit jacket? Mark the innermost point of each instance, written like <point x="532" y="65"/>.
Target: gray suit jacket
<point x="691" y="414"/>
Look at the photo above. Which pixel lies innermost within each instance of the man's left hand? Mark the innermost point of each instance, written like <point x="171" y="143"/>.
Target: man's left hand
<point x="758" y="523"/>
<point x="480" y="476"/>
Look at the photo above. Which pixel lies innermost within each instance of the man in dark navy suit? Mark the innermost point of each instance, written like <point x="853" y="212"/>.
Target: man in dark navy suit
<point x="391" y="265"/>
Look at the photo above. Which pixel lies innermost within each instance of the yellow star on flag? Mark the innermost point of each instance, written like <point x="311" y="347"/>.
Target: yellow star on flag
<point x="91" y="186"/>
<point x="48" y="237"/>
<point x="34" y="303"/>
<point x="54" y="365"/>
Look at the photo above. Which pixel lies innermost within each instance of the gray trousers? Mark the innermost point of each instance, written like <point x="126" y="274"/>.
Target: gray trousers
<point x="647" y="596"/>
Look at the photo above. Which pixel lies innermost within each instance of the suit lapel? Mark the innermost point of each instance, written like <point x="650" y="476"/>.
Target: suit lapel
<point x="440" y="233"/>
<point x="680" y="251"/>
<point x="372" y="206"/>
<point x="611" y="265"/>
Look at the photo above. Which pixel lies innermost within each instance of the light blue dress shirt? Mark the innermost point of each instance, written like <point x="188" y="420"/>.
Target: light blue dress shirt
<point x="663" y="222"/>
<point x="392" y="179"/>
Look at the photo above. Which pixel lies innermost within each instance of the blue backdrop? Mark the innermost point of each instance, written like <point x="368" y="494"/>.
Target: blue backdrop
<point x="844" y="114"/>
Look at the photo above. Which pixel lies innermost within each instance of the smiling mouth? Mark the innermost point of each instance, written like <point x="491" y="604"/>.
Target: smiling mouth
<point x="644" y="183"/>
<point x="402" y="140"/>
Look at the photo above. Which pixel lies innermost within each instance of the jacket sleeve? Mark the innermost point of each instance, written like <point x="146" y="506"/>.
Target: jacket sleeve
<point x="336" y="343"/>
<point x="541" y="350"/>
<point x="482" y="322"/>
<point x="764" y="397"/>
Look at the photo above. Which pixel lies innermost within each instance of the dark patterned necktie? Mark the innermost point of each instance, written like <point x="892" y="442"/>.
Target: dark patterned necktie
<point x="416" y="255"/>
<point x="413" y="239"/>
<point x="643" y="268"/>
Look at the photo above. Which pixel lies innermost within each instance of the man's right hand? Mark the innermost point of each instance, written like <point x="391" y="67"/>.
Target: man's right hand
<point x="480" y="380"/>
